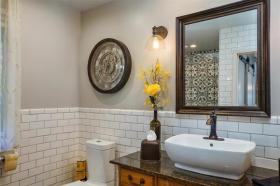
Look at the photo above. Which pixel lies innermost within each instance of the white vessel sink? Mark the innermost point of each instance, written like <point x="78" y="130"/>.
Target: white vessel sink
<point x="227" y="159"/>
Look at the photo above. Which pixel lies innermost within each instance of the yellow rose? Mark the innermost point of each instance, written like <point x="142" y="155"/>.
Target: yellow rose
<point x="152" y="89"/>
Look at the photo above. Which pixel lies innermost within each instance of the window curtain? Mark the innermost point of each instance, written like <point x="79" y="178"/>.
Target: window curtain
<point x="9" y="74"/>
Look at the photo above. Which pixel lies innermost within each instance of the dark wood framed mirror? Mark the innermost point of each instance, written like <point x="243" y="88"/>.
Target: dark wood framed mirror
<point x="222" y="60"/>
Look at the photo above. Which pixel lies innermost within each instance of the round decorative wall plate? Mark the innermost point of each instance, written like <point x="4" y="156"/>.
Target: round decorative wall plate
<point x="109" y="66"/>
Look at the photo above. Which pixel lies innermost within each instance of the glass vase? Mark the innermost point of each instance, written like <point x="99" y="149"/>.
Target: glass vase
<point x="155" y="125"/>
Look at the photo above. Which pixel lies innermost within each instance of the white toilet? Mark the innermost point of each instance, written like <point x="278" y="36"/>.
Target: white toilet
<point x="100" y="171"/>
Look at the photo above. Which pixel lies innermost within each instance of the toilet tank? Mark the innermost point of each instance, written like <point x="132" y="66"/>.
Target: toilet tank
<point x="99" y="153"/>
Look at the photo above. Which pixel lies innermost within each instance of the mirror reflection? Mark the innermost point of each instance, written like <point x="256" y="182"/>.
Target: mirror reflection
<point x="221" y="61"/>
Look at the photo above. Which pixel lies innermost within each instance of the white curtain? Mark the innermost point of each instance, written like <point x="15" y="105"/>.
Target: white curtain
<point x="9" y="74"/>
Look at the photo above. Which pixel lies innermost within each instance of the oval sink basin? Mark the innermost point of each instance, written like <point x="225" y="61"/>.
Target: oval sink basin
<point x="227" y="159"/>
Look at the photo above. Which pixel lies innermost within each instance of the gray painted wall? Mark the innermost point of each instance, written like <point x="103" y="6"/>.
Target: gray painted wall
<point x="53" y="74"/>
<point x="50" y="54"/>
<point x="131" y="21"/>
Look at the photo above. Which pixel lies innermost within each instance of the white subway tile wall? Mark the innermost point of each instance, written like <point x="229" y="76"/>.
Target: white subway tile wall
<point x="48" y="148"/>
<point x="128" y="127"/>
<point x="53" y="139"/>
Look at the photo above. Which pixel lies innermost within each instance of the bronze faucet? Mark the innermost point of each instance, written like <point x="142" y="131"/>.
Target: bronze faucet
<point x="213" y="133"/>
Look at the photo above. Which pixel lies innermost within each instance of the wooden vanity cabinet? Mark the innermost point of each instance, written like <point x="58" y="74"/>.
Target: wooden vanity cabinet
<point x="134" y="172"/>
<point x="132" y="178"/>
<point x="129" y="177"/>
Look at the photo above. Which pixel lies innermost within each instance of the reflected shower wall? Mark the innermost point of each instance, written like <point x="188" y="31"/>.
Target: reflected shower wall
<point x="214" y="73"/>
<point x="201" y="78"/>
<point x="232" y="42"/>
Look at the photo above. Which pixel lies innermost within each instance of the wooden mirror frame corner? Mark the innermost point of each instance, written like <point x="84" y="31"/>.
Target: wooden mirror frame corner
<point x="263" y="109"/>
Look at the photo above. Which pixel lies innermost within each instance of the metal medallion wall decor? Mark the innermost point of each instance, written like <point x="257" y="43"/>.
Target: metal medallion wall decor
<point x="109" y="66"/>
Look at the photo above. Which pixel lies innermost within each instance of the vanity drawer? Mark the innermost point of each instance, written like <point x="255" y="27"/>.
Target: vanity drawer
<point x="165" y="182"/>
<point x="132" y="178"/>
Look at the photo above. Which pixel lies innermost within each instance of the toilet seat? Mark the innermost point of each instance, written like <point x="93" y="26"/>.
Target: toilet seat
<point x="81" y="183"/>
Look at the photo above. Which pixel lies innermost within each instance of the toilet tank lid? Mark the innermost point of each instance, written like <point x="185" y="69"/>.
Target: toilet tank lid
<point x="100" y="144"/>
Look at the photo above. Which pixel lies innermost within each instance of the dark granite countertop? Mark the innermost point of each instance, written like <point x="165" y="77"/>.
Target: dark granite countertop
<point x="165" y="168"/>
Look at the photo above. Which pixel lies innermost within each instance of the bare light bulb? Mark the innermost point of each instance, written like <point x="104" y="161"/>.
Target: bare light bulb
<point x="193" y="46"/>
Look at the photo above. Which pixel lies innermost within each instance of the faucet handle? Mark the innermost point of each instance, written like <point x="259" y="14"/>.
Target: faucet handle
<point x="210" y="121"/>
